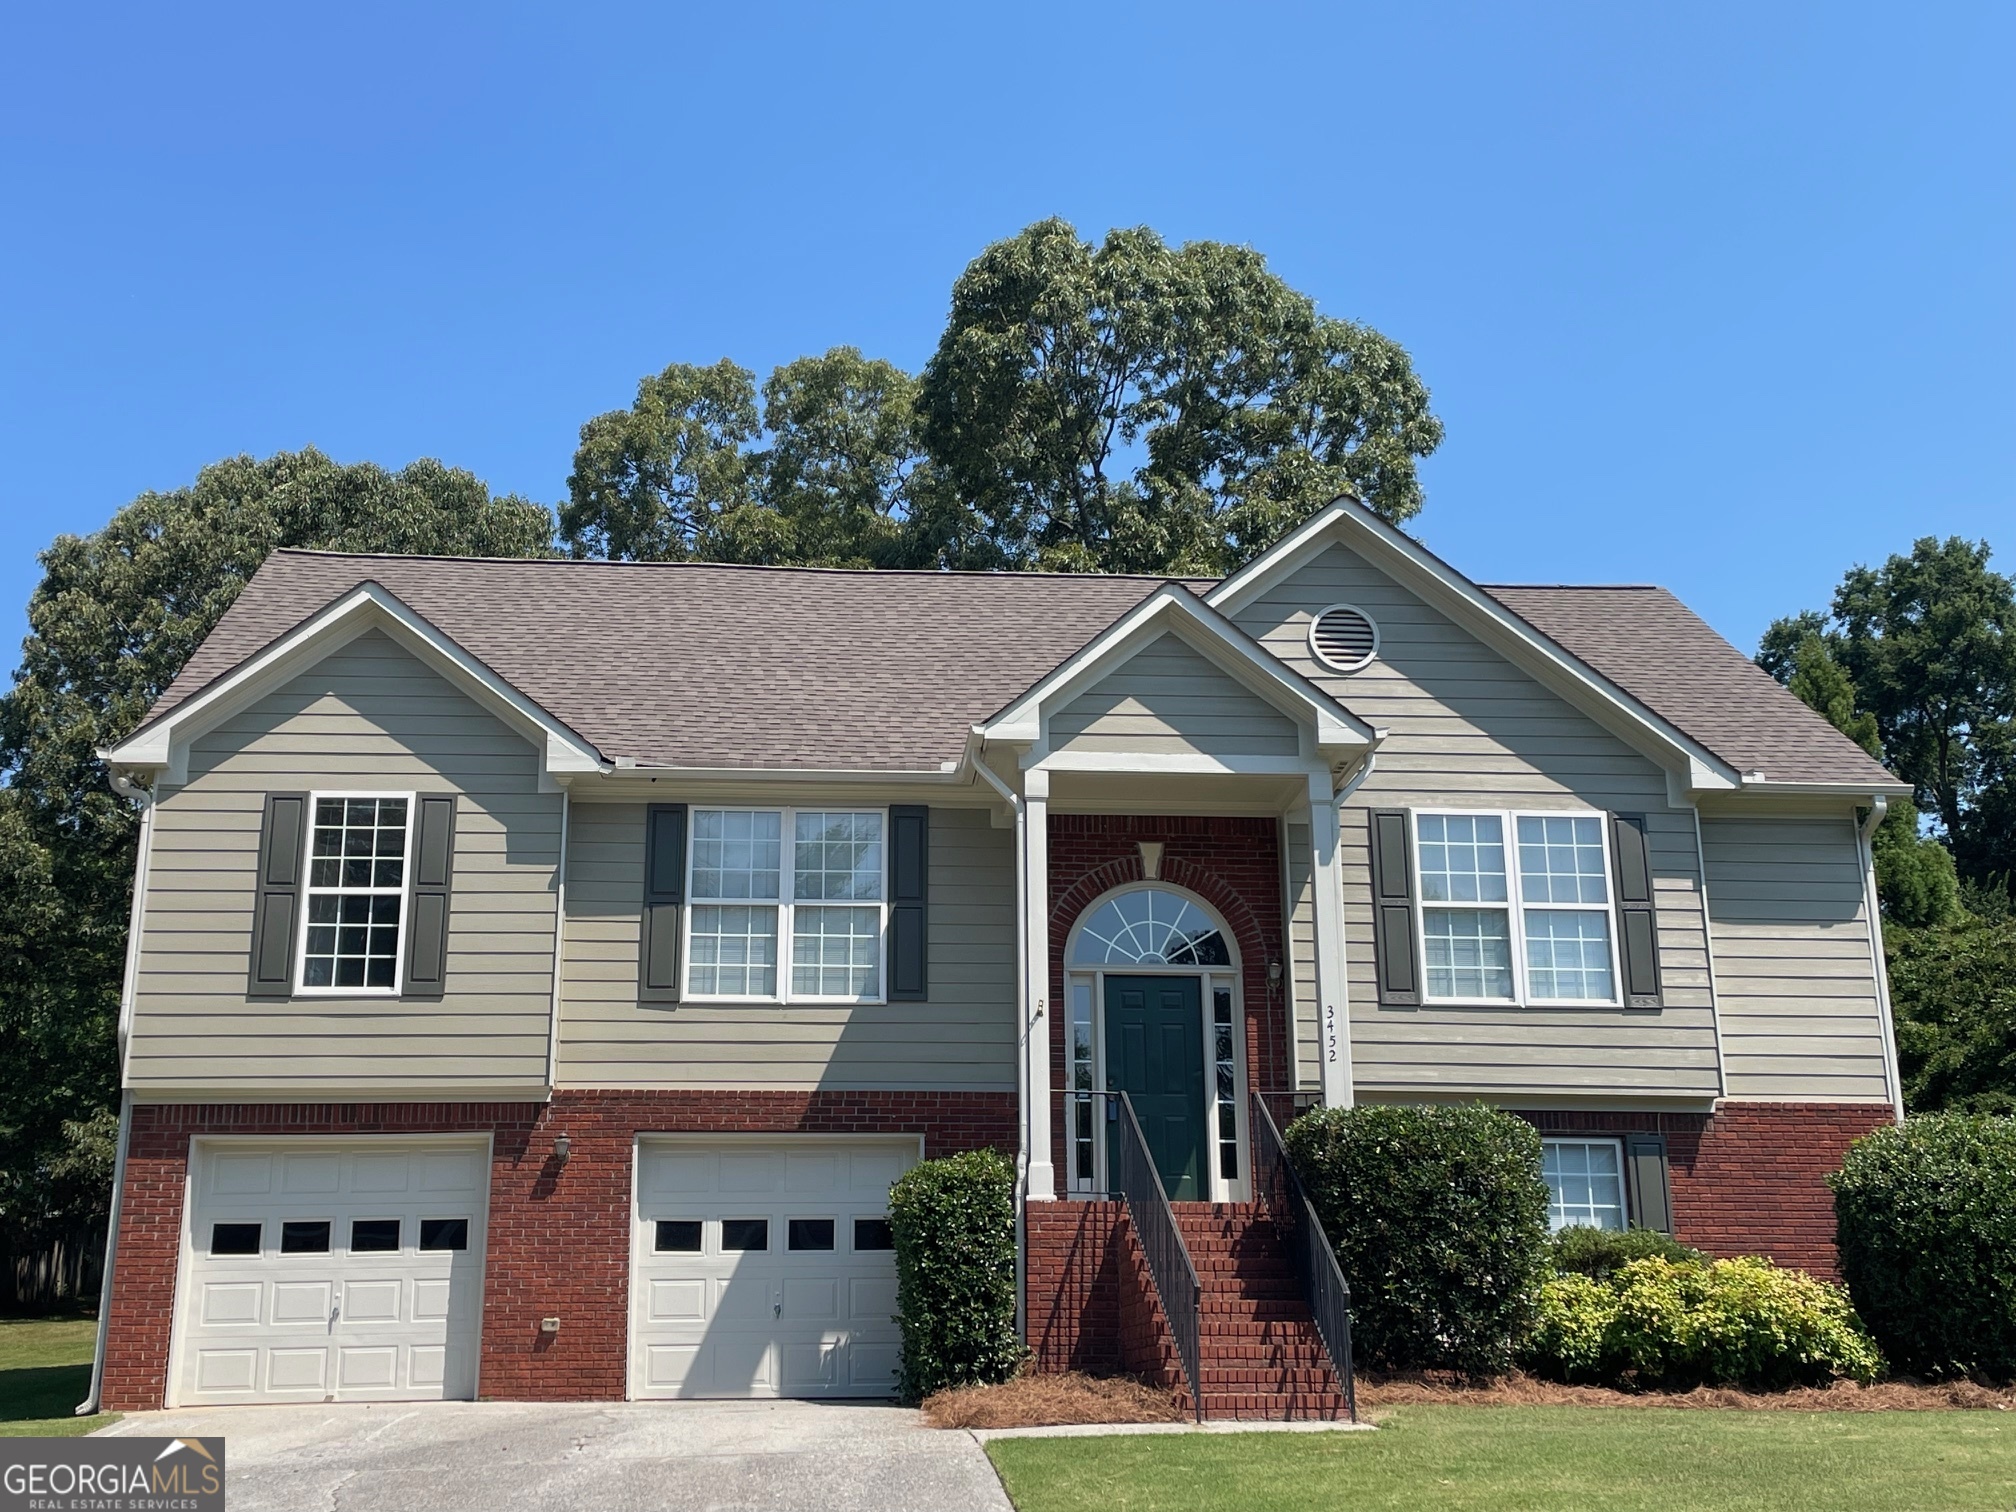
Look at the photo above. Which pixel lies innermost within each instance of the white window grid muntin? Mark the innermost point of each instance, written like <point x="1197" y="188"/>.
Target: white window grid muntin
<point x="785" y="904"/>
<point x="1557" y="1207"/>
<point x="1211" y="979"/>
<point x="1514" y="907"/>
<point x="308" y="892"/>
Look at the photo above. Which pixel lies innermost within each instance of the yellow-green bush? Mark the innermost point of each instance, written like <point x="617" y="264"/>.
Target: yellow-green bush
<point x="1680" y="1324"/>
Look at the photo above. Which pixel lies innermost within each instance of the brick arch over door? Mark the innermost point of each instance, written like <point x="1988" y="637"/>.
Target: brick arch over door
<point x="1234" y="864"/>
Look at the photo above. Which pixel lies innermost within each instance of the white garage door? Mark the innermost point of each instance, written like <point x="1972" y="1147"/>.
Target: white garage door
<point x="324" y="1270"/>
<point x="764" y="1268"/>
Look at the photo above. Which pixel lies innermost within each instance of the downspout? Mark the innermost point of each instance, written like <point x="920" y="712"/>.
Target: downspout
<point x="1021" y="1041"/>
<point x="125" y="787"/>
<point x="559" y="948"/>
<point x="1865" y="838"/>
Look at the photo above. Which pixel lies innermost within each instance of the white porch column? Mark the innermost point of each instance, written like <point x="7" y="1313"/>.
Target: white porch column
<point x="1327" y="895"/>
<point x="1035" y="994"/>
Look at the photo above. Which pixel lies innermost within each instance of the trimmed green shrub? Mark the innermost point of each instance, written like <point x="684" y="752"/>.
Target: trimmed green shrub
<point x="1680" y="1324"/>
<point x="1926" y="1223"/>
<point x="1439" y="1218"/>
<point x="1598" y="1252"/>
<point x="954" y="1224"/>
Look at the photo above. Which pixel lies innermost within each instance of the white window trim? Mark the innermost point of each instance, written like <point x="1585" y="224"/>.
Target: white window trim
<point x="785" y="904"/>
<point x="1623" y="1176"/>
<point x="301" y="987"/>
<point x="1515" y="906"/>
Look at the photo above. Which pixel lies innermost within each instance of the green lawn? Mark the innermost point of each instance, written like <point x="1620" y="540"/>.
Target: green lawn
<point x="45" y="1371"/>
<point x="1546" y="1459"/>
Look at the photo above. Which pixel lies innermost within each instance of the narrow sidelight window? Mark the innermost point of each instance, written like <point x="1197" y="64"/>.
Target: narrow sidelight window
<point x="305" y="1238"/>
<point x="356" y="893"/>
<point x="745" y="1233"/>
<point x="444" y="1233"/>
<point x="873" y="1234"/>
<point x="809" y="1234"/>
<point x="678" y="1236"/>
<point x="234" y="1238"/>
<point x="1228" y="1083"/>
<point x="373" y="1235"/>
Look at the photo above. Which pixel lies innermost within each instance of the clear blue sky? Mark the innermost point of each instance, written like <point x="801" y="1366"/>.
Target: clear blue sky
<point x="1719" y="296"/>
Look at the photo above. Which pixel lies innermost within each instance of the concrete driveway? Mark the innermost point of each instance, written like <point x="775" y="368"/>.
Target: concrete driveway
<point x="610" y="1457"/>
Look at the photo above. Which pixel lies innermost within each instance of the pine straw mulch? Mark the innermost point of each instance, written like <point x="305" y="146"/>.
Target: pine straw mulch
<point x="1044" y="1401"/>
<point x="1525" y="1391"/>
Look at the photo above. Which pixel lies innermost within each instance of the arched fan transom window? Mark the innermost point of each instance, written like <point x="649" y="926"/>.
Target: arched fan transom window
<point x="1149" y="927"/>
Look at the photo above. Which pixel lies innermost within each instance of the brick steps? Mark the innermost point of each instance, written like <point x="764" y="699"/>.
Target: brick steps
<point x="1260" y="1354"/>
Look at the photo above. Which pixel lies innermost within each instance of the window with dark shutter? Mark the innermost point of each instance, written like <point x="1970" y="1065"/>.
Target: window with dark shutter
<point x="1645" y="1170"/>
<point x="1637" y="918"/>
<point x="1393" y="911"/>
<point x="276" y="910"/>
<point x="664" y="894"/>
<point x="433" y="864"/>
<point x="909" y="895"/>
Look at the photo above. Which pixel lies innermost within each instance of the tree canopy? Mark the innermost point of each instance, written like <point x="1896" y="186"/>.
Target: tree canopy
<point x="1125" y="407"/>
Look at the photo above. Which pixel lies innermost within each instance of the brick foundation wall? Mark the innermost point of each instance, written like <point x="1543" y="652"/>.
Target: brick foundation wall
<point x="1234" y="864"/>
<point x="1072" y="1282"/>
<point x="1751" y="1178"/>
<point x="559" y="1237"/>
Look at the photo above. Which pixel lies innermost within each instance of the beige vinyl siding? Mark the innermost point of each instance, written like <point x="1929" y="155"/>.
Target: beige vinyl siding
<point x="369" y="717"/>
<point x="1168" y="699"/>
<point x="962" y="1039"/>
<point x="1470" y="730"/>
<point x="1800" y="1014"/>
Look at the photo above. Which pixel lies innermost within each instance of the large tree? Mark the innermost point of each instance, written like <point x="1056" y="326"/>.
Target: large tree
<point x="1928" y="641"/>
<point x="116" y="615"/>
<point x="1126" y="407"/>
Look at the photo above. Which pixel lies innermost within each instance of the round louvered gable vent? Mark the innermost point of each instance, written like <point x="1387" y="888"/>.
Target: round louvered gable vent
<point x="1344" y="637"/>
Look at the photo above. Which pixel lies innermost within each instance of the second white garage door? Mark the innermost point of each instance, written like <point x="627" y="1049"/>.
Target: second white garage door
<point x="763" y="1268"/>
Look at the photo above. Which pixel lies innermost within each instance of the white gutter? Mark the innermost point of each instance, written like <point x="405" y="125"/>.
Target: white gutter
<point x="1865" y="835"/>
<point x="125" y="787"/>
<point x="1021" y="1038"/>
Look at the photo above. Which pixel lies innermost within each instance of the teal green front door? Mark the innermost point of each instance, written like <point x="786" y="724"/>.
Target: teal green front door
<point x="1155" y="1054"/>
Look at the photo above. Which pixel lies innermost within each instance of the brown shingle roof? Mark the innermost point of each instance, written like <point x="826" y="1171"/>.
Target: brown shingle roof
<point x="1657" y="649"/>
<point x="701" y="665"/>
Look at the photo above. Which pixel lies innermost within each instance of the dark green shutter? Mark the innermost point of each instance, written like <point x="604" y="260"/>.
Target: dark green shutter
<point x="664" y="893"/>
<point x="1637" y="920"/>
<point x="431" y="865"/>
<point x="1645" y="1174"/>
<point x="909" y="893"/>
<point x="1393" y="910"/>
<point x="276" y="909"/>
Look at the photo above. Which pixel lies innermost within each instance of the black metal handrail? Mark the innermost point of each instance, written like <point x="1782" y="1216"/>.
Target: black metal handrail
<point x="1323" y="1285"/>
<point x="1169" y="1263"/>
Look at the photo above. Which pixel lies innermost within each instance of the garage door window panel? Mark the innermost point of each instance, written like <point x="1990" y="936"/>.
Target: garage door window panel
<point x="234" y="1238"/>
<point x="809" y="1234"/>
<point x="444" y="1233"/>
<point x="374" y="1235"/>
<point x="679" y="1236"/>
<point x="745" y="1234"/>
<point x="305" y="1237"/>
<point x="786" y="905"/>
<point x="873" y="1234"/>
<point x="355" y="913"/>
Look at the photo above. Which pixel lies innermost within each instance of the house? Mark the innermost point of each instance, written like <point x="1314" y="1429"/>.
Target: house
<point x="541" y="970"/>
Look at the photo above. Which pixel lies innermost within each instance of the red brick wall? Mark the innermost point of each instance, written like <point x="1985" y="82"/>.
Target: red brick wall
<point x="559" y="1237"/>
<point x="1750" y="1179"/>
<point x="1072" y="1282"/>
<point x="1234" y="864"/>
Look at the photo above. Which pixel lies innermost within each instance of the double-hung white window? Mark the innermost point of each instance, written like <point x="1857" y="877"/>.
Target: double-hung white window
<point x="1515" y="908"/>
<point x="786" y="904"/>
<point x="1585" y="1183"/>
<point x="356" y="893"/>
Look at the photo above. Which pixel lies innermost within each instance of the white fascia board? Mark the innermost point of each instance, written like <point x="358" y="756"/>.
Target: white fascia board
<point x="163" y="742"/>
<point x="1479" y="612"/>
<point x="1854" y="792"/>
<point x="1174" y="609"/>
<point x="1150" y="762"/>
